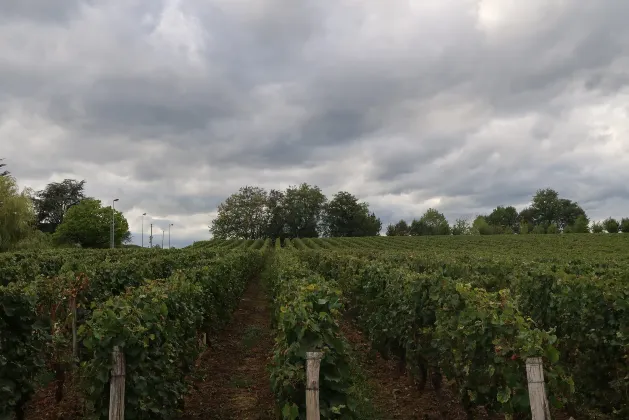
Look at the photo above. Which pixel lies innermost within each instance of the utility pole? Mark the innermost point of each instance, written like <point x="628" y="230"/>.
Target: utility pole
<point x="143" y="214"/>
<point x="151" y="237"/>
<point x="162" y="238"/>
<point x="113" y="222"/>
<point x="172" y="224"/>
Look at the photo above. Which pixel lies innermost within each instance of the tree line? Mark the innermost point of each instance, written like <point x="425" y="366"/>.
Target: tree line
<point x="60" y="214"/>
<point x="548" y="213"/>
<point x="300" y="211"/>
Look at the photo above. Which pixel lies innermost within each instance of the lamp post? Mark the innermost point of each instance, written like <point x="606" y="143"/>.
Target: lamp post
<point x="162" y="238"/>
<point x="143" y="214"/>
<point x="113" y="222"/>
<point x="151" y="237"/>
<point x="172" y="224"/>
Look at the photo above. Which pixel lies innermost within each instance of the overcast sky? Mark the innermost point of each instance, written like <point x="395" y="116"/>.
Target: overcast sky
<point x="462" y="105"/>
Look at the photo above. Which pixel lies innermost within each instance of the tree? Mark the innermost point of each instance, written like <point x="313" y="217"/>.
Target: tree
<point x="524" y="227"/>
<point x="401" y="228"/>
<point x="16" y="213"/>
<point x="545" y="207"/>
<point x="243" y="215"/>
<point x="481" y="227"/>
<point x="504" y="218"/>
<point x="624" y="225"/>
<point x="418" y="228"/>
<point x="552" y="228"/>
<point x="303" y="206"/>
<point x="52" y="203"/>
<point x="461" y="227"/>
<point x="597" y="227"/>
<point x="569" y="212"/>
<point x="35" y="240"/>
<point x="539" y="230"/>
<point x="345" y="216"/>
<point x="4" y="172"/>
<point x="611" y="225"/>
<point x="581" y="224"/>
<point x="88" y="224"/>
<point x="275" y="215"/>
<point x="432" y="222"/>
<point x="526" y="216"/>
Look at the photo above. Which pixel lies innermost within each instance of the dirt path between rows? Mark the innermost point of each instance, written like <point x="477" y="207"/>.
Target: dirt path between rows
<point x="394" y="394"/>
<point x="231" y="377"/>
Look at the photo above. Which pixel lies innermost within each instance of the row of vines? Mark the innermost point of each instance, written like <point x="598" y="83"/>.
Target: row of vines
<point x="604" y="247"/>
<point x="152" y="304"/>
<point x="449" y="309"/>
<point x="476" y="319"/>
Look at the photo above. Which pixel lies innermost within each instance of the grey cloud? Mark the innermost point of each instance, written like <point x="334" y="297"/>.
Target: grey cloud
<point x="174" y="104"/>
<point x="40" y="10"/>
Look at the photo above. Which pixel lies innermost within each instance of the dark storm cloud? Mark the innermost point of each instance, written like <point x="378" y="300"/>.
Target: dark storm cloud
<point x="459" y="104"/>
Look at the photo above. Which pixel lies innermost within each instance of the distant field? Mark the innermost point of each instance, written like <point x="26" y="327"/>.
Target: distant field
<point x="529" y="247"/>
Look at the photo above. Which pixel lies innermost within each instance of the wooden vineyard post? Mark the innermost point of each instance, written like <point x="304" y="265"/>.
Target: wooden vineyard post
<point x="313" y="364"/>
<point x="75" y="348"/>
<point x="116" y="386"/>
<point x="537" y="390"/>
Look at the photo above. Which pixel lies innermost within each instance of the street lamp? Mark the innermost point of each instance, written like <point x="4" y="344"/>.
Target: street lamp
<point x="143" y="214"/>
<point x="113" y="221"/>
<point x="172" y="224"/>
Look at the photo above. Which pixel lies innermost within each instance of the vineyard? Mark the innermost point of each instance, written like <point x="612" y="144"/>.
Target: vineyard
<point x="453" y="318"/>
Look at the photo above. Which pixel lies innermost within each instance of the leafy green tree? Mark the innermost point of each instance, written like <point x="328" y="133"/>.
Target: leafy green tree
<point x="275" y="215"/>
<point x="16" y="213"/>
<point x="597" y="227"/>
<point x="581" y="224"/>
<point x="4" y="172"/>
<point x="344" y="215"/>
<point x="527" y="216"/>
<point x="52" y="203"/>
<point x="303" y="207"/>
<point x="569" y="212"/>
<point x="539" y="230"/>
<point x="461" y="227"/>
<point x="504" y="218"/>
<point x="401" y="228"/>
<point x="481" y="227"/>
<point x="88" y="224"/>
<point x="35" y="240"/>
<point x="432" y="222"/>
<point x="418" y="228"/>
<point x="624" y="225"/>
<point x="611" y="225"/>
<point x="525" y="228"/>
<point x="545" y="207"/>
<point x="243" y="215"/>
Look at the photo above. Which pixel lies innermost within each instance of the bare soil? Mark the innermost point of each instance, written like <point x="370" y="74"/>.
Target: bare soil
<point x="232" y="380"/>
<point x="43" y="405"/>
<point x="395" y="396"/>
